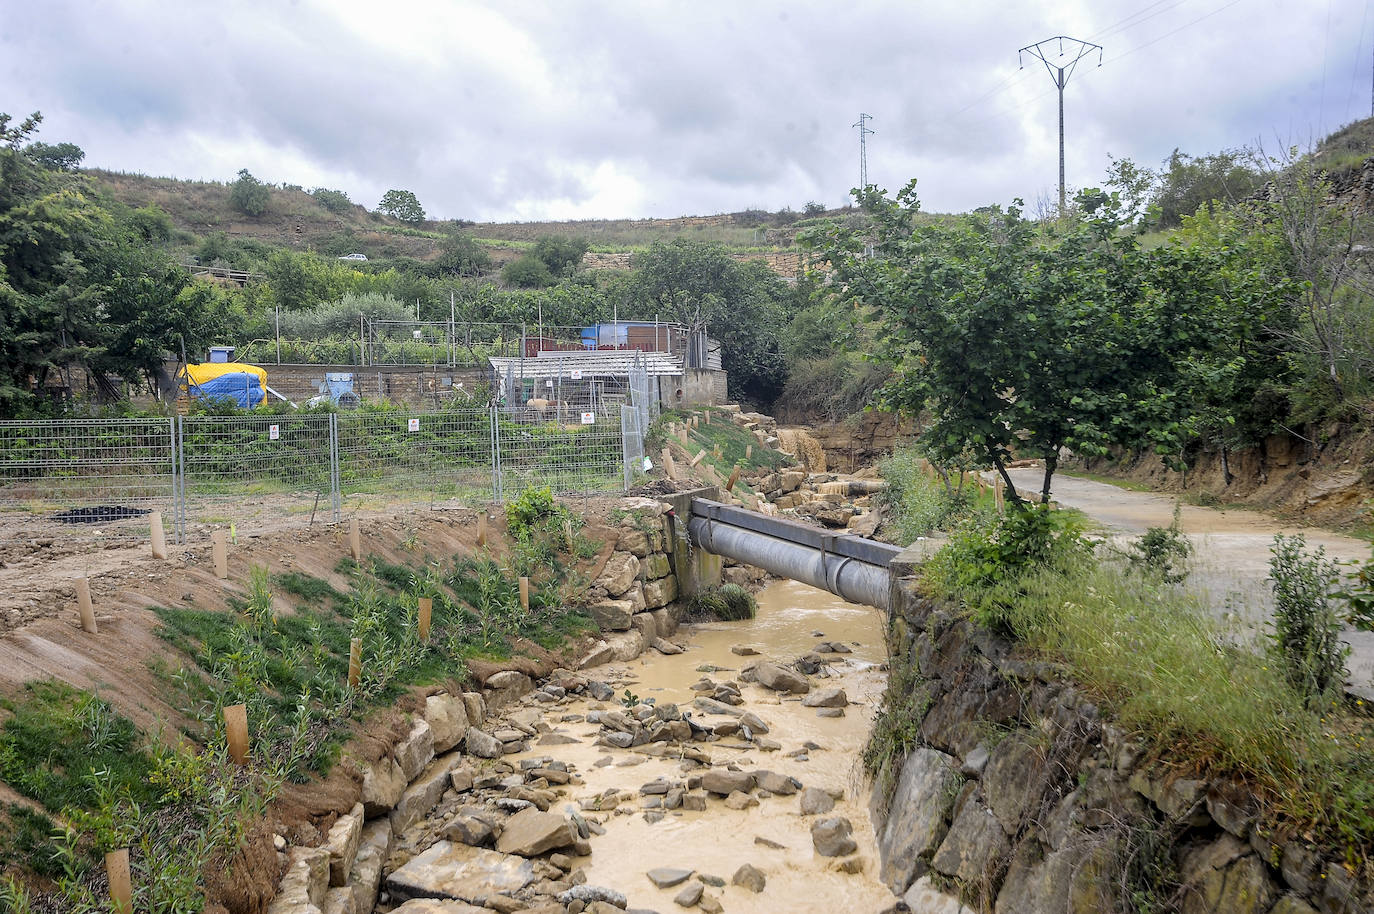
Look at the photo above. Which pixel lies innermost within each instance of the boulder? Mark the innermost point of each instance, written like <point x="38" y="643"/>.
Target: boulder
<point x="415" y="751"/>
<point x="339" y="900"/>
<point x="470" y="830"/>
<point x="690" y="894"/>
<point x="438" y="906"/>
<point x="826" y="698"/>
<point x="470" y="874"/>
<point x="740" y="800"/>
<point x="755" y="723"/>
<point x="665" y="877"/>
<point x="664" y="646"/>
<point x="305" y="883"/>
<point x="750" y="877"/>
<point x="635" y="542"/>
<point x="530" y="832"/>
<point x="612" y="615"/>
<point x="723" y="781"/>
<point x="476" y="707"/>
<point x="779" y="679"/>
<point x="620" y="572"/>
<point x="507" y="686"/>
<point x="366" y="874"/>
<point x="646" y="625"/>
<point x="660" y="593"/>
<point x="482" y="744"/>
<point x="666" y="620"/>
<point x="423" y="793"/>
<point x="383" y="784"/>
<point x="342" y="844"/>
<point x="600" y="653"/>
<point x="831" y="837"/>
<point x="656" y="566"/>
<point x="815" y="802"/>
<point x="791" y="480"/>
<point x="779" y="784"/>
<point x="447" y="716"/>
<point x="626" y="646"/>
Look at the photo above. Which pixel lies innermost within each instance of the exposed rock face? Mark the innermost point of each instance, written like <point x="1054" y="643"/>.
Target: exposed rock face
<point x="620" y="572"/>
<point x="416" y="750"/>
<point x="447" y="717"/>
<point x="342" y="844"/>
<point x="383" y="784"/>
<point x="306" y="881"/>
<point x="1039" y="825"/>
<point x="612" y="615"/>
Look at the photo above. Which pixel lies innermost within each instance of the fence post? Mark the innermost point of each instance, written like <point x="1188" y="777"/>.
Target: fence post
<point x="493" y="418"/>
<point x="179" y="480"/>
<point x="335" y="495"/>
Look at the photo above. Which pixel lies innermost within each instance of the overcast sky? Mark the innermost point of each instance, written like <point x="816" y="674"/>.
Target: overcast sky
<point x="564" y="109"/>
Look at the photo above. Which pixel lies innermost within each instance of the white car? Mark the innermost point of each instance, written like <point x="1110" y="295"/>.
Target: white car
<point x="354" y="257"/>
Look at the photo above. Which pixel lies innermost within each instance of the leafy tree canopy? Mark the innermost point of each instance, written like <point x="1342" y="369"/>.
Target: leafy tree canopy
<point x="248" y="195"/>
<point x="61" y="157"/>
<point x="402" y="205"/>
<point x="561" y="254"/>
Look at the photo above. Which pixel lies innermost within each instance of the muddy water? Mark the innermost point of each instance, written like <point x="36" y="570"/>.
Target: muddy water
<point x="718" y="841"/>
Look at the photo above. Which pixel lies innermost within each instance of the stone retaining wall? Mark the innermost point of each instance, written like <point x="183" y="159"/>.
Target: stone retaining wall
<point x="1020" y="798"/>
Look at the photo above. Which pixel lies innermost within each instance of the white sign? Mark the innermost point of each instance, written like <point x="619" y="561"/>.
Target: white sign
<point x="575" y="374"/>
<point x="549" y="383"/>
<point x="413" y="425"/>
<point x="273" y="432"/>
<point x="589" y="418"/>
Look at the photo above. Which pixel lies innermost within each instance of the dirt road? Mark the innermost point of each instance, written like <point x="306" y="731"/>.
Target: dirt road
<point x="1231" y="552"/>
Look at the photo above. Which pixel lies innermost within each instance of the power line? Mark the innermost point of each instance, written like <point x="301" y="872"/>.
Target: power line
<point x="1186" y="25"/>
<point x="1061" y="74"/>
<point x="862" y="124"/>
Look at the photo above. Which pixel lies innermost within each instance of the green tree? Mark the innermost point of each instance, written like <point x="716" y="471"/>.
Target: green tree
<point x="743" y="305"/>
<point x="248" y="195"/>
<point x="1011" y="345"/>
<point x="561" y="254"/>
<point x="527" y="272"/>
<point x="402" y="205"/>
<point x="336" y="201"/>
<point x="59" y="157"/>
<point x="1187" y="184"/>
<point x="461" y="255"/>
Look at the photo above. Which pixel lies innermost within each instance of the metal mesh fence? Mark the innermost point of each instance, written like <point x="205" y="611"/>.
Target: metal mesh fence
<point x="97" y="479"/>
<point x="265" y="471"/>
<point x="440" y="459"/>
<point x="76" y="478"/>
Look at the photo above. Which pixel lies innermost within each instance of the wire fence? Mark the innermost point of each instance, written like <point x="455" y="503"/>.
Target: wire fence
<point x="98" y="480"/>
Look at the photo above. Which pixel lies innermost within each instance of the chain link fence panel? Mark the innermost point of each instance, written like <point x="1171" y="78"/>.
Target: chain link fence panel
<point x="86" y="479"/>
<point x="441" y="459"/>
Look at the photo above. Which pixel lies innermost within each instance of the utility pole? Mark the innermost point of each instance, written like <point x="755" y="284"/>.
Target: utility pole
<point x="1060" y="73"/>
<point x="864" y="131"/>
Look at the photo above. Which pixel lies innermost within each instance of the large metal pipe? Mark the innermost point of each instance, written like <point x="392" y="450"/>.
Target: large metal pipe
<point x="843" y="575"/>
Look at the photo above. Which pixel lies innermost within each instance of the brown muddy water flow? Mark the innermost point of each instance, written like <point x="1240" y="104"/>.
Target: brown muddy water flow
<point x="792" y="619"/>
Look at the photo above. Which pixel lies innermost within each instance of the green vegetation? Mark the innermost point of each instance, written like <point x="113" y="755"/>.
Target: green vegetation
<point x="402" y="205"/>
<point x="1162" y="552"/>
<point x="1157" y="662"/>
<point x="248" y="195"/>
<point x="726" y="603"/>
<point x="922" y="498"/>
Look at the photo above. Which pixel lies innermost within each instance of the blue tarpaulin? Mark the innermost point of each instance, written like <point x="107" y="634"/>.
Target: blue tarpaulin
<point x="243" y="388"/>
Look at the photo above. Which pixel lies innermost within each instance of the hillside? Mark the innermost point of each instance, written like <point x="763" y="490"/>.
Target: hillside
<point x="296" y="219"/>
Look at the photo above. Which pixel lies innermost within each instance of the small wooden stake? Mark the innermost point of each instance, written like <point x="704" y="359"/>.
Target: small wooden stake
<point x="999" y="497"/>
<point x="697" y="459"/>
<point x="707" y="414"/>
<point x="668" y="467"/>
<point x="121" y="884"/>
<point x="159" y="536"/>
<point x="748" y="451"/>
<point x="355" y="541"/>
<point x="236" y="730"/>
<point x="219" y="550"/>
<point x="355" y="662"/>
<point x="524" y="593"/>
<point x="734" y="478"/>
<point x="83" y="604"/>
<point x="426" y="610"/>
<point x="482" y="528"/>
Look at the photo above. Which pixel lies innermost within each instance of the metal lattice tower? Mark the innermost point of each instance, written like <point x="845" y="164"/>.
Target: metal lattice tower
<point x="864" y="131"/>
<point x="1060" y="73"/>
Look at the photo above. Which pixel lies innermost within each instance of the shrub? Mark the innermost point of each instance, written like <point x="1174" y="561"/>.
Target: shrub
<point x="727" y="603"/>
<point x="248" y="195"/>
<point x="917" y="504"/>
<point x="1306" y="626"/>
<point x="1162" y="552"/>
<point x="336" y="201"/>
<point x="528" y="272"/>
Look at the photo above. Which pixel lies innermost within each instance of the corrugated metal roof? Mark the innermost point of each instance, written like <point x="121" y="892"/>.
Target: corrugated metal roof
<point x="592" y="364"/>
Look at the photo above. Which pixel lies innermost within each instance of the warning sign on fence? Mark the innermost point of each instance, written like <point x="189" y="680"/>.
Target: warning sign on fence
<point x="589" y="418"/>
<point x="273" y="432"/>
<point x="413" y="425"/>
<point x="575" y="374"/>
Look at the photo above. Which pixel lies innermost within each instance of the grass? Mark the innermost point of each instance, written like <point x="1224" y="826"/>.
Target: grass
<point x="726" y="603"/>
<point x="1160" y="665"/>
<point x="723" y="434"/>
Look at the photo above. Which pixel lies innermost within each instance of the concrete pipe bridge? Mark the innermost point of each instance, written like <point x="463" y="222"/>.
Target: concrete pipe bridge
<point x="851" y="567"/>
